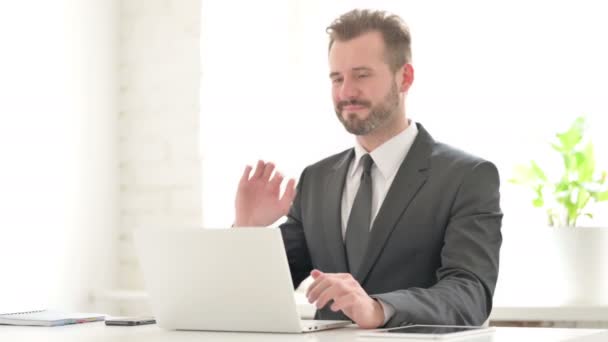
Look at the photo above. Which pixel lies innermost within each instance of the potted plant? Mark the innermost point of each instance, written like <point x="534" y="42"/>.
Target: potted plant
<point x="566" y="198"/>
<point x="582" y="253"/>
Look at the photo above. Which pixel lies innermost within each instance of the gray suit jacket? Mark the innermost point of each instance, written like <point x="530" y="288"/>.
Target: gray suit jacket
<point x="434" y="245"/>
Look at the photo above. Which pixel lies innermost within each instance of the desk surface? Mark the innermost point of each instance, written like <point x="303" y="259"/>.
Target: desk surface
<point x="150" y="333"/>
<point x="550" y="313"/>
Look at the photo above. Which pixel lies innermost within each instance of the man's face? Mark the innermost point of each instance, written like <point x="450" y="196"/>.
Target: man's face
<point x="364" y="90"/>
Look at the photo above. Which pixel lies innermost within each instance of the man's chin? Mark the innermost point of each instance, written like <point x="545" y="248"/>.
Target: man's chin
<point x="358" y="131"/>
<point x="356" y="127"/>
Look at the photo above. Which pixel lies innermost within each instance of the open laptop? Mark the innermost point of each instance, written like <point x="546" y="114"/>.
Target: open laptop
<point x="221" y="279"/>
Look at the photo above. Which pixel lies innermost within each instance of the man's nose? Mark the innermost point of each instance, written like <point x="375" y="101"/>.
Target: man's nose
<point x="348" y="90"/>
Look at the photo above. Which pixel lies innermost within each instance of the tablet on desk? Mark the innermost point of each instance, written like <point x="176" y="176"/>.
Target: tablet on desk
<point x="429" y="332"/>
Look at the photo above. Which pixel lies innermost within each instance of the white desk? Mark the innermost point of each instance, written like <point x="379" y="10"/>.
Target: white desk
<point x="151" y="333"/>
<point x="550" y="313"/>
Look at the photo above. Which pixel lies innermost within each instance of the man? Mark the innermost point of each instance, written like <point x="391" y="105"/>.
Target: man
<point x="400" y="229"/>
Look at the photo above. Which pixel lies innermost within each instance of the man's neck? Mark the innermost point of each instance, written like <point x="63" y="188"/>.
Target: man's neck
<point x="383" y="134"/>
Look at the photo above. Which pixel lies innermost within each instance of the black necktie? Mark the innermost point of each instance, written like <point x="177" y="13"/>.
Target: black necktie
<point x="357" y="229"/>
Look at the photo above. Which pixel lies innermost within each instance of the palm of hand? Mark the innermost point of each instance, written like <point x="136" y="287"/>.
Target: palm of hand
<point x="258" y="201"/>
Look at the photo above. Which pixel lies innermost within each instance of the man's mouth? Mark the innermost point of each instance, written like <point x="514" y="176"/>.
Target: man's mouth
<point x="351" y="108"/>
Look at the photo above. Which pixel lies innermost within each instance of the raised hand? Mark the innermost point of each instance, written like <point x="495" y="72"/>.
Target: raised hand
<point x="258" y="198"/>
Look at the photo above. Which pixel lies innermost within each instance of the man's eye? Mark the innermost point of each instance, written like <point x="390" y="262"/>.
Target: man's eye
<point x="336" y="80"/>
<point x="362" y="75"/>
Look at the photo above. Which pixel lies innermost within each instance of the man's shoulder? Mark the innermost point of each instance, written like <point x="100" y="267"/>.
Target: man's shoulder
<point x="331" y="162"/>
<point x="443" y="156"/>
<point x="448" y="156"/>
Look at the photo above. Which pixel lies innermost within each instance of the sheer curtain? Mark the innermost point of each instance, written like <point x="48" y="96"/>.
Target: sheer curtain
<point x="58" y="182"/>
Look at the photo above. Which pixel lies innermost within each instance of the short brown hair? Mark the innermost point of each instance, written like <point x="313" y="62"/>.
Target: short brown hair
<point x="395" y="33"/>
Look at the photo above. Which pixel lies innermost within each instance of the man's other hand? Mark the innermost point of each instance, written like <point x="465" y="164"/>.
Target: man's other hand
<point x="347" y="295"/>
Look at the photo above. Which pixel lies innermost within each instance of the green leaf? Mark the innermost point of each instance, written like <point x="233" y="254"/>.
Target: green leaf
<point x="582" y="198"/>
<point x="601" y="196"/>
<point x="573" y="135"/>
<point x="570" y="162"/>
<point x="523" y="175"/>
<point x="557" y="147"/>
<point x="537" y="171"/>
<point x="539" y="200"/>
<point x="586" y="163"/>
<point x="562" y="190"/>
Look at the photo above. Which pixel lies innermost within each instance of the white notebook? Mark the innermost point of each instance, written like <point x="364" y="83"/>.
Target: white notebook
<point x="48" y="318"/>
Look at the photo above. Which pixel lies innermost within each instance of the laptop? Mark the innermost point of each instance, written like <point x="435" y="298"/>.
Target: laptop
<point x="221" y="280"/>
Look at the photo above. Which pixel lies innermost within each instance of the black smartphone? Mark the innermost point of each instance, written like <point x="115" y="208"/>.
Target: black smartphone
<point x="130" y="321"/>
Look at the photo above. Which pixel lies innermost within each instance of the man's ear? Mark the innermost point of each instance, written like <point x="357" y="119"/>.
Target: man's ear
<point x="406" y="73"/>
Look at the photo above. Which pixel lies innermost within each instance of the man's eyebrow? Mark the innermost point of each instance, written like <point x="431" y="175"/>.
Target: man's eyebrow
<point x="359" y="68"/>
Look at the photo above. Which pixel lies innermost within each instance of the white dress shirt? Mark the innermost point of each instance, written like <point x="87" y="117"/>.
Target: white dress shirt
<point x="387" y="159"/>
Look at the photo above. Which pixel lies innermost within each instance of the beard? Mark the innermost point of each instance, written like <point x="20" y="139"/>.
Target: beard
<point x="378" y="114"/>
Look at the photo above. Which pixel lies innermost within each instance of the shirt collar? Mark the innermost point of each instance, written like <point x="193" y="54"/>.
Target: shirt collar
<point x="388" y="156"/>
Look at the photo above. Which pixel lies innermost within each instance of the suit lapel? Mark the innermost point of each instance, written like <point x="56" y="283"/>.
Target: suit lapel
<point x="410" y="177"/>
<point x="332" y="221"/>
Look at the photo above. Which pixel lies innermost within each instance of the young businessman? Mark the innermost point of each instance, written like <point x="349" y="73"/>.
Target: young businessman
<point x="399" y="229"/>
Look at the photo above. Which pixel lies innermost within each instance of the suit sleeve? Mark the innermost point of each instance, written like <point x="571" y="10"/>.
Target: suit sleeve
<point x="300" y="264"/>
<point x="469" y="260"/>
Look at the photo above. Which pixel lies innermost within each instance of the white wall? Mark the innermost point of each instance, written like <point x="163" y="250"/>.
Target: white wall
<point x="158" y="122"/>
<point x="58" y="159"/>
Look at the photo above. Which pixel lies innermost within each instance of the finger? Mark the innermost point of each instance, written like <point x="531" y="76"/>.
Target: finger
<point x="267" y="171"/>
<point x="289" y="194"/>
<point x="245" y="176"/>
<point x="313" y="289"/>
<point x="259" y="170"/>
<point x="275" y="183"/>
<point x="320" y="285"/>
<point x="319" y="282"/>
<point x="337" y="289"/>
<point x="340" y="283"/>
<point x="315" y="274"/>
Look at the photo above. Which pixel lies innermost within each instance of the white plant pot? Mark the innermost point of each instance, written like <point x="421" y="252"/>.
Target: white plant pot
<point x="553" y="267"/>
<point x="583" y="254"/>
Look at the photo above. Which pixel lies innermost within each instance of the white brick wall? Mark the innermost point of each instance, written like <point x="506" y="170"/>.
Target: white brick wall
<point x="158" y="123"/>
